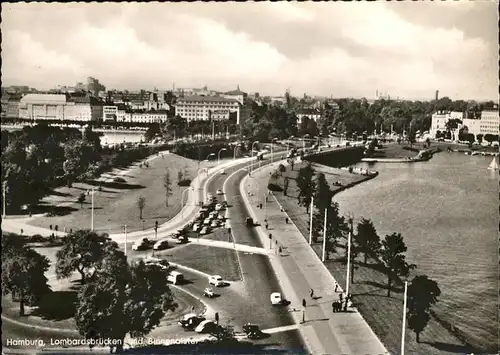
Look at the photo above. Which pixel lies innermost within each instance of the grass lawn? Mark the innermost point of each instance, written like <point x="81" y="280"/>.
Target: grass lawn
<point x="369" y="292"/>
<point x="210" y="260"/>
<point x="116" y="204"/>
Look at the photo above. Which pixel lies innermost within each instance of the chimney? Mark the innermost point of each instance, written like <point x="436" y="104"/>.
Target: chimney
<point x="437" y="95"/>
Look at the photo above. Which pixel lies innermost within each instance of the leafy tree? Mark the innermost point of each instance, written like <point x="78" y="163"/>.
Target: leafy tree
<point x="78" y="156"/>
<point x="479" y="138"/>
<point x="391" y="253"/>
<point x="81" y="199"/>
<point x="224" y="334"/>
<point x="167" y="184"/>
<point x="469" y="137"/>
<point x="152" y="131"/>
<point x="367" y="238"/>
<point x="322" y="194"/>
<point x="23" y="274"/>
<point x="122" y="299"/>
<point x="306" y="186"/>
<point x="141" y="203"/>
<point x="490" y="138"/>
<point x="412" y="137"/>
<point x="81" y="250"/>
<point x="423" y="293"/>
<point x="336" y="226"/>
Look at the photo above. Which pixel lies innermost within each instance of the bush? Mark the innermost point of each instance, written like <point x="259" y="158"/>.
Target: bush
<point x="274" y="187"/>
<point x="37" y="238"/>
<point x="119" y="179"/>
<point x="411" y="149"/>
<point x="184" y="182"/>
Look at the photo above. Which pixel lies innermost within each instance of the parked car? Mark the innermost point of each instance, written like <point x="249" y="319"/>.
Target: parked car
<point x="219" y="192"/>
<point x="182" y="240"/>
<point x="221" y="217"/>
<point x="160" y="245"/>
<point x="206" y="326"/>
<point x="276" y="298"/>
<point x="175" y="278"/>
<point x="249" y="222"/>
<point x="208" y="292"/>
<point x="214" y="224"/>
<point x="222" y="172"/>
<point x="224" y="204"/>
<point x="253" y="331"/>
<point x="218" y="207"/>
<point x="141" y="244"/>
<point x="207" y="221"/>
<point x="196" y="227"/>
<point x="190" y="321"/>
<point x="216" y="280"/>
<point x="205" y="230"/>
<point x="161" y="263"/>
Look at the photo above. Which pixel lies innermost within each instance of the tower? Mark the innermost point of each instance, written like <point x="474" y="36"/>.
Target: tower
<point x="437" y="95"/>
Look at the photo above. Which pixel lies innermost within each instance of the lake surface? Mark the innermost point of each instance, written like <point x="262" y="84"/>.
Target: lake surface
<point x="447" y="211"/>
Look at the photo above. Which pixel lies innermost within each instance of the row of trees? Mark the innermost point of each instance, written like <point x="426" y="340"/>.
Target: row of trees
<point x="315" y="192"/>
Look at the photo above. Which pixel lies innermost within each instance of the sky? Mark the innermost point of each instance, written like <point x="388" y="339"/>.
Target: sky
<point x="340" y="49"/>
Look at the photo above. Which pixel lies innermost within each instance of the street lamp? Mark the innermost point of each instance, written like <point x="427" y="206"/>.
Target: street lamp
<point x="92" y="214"/>
<point x="272" y="141"/>
<point x="4" y="193"/>
<point x="251" y="164"/>
<point x="182" y="202"/>
<point x="125" y="230"/>
<point x="218" y="155"/>
<point x="236" y="146"/>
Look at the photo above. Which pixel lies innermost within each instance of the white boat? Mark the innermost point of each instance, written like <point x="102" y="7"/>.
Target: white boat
<point x="493" y="165"/>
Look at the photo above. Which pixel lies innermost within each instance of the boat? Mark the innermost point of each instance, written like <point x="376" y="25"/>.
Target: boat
<point x="493" y="165"/>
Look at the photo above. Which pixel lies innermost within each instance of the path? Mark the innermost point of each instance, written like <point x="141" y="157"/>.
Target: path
<point x="299" y="271"/>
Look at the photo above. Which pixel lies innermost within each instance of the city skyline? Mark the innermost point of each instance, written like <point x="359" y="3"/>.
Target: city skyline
<point x="405" y="50"/>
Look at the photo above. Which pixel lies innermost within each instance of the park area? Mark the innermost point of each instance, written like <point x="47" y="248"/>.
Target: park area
<point x="368" y="287"/>
<point x="116" y="197"/>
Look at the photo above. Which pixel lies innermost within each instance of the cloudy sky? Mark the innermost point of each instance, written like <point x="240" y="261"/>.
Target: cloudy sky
<point x="406" y="49"/>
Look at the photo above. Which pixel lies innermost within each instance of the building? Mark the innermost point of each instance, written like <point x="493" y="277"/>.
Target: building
<point x="146" y="117"/>
<point x="237" y="95"/>
<point x="439" y="120"/>
<point x="311" y="114"/>
<point x="10" y="105"/>
<point x="60" y="107"/>
<point x="109" y="113"/>
<point x="203" y="108"/>
<point x="489" y="123"/>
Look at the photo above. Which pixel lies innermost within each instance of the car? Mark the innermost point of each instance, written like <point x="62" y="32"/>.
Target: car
<point x="205" y="230"/>
<point x="160" y="245"/>
<point x="141" y="244"/>
<point x="207" y="221"/>
<point x="222" y="172"/>
<point x="218" y="207"/>
<point x="219" y="192"/>
<point x="206" y="326"/>
<point x="216" y="280"/>
<point x="214" y="224"/>
<point x="162" y="264"/>
<point x="253" y="331"/>
<point x="249" y="222"/>
<point x="276" y="298"/>
<point x="224" y="204"/>
<point x="196" y="227"/>
<point x="208" y="292"/>
<point x="221" y="217"/>
<point x="190" y="321"/>
<point x="175" y="277"/>
<point x="182" y="240"/>
<point x="213" y="214"/>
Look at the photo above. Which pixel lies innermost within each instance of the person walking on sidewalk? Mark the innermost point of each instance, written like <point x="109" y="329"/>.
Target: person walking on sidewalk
<point x="336" y="287"/>
<point x="312" y="293"/>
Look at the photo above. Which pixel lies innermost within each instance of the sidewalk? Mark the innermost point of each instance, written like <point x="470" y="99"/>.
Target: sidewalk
<point x="187" y="213"/>
<point x="299" y="270"/>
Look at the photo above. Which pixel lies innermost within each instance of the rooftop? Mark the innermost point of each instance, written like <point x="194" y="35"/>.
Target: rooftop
<point x="206" y="99"/>
<point x="51" y="98"/>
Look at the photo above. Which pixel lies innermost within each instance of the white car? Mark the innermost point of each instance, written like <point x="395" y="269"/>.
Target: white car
<point x="218" y="207"/>
<point x="219" y="192"/>
<point x="214" y="224"/>
<point x="222" y="172"/>
<point x="207" y="221"/>
<point x="216" y="280"/>
<point x="204" y="230"/>
<point x="276" y="298"/>
<point x="213" y="214"/>
<point x="196" y="227"/>
<point x="160" y="245"/>
<point x="205" y="327"/>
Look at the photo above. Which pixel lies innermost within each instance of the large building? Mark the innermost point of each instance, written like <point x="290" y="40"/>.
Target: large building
<point x="146" y="117"/>
<point x="440" y="118"/>
<point x="311" y="114"/>
<point x="489" y="123"/>
<point x="203" y="108"/>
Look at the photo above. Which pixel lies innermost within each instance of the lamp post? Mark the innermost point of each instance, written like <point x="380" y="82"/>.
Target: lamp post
<point x="4" y="199"/>
<point x="92" y="214"/>
<point x="251" y="163"/>
<point x="272" y="141"/>
<point x="404" y="320"/>
<point x="125" y="230"/>
<point x="218" y="155"/>
<point x="348" y="263"/>
<point x="234" y="151"/>
<point x="311" y="222"/>
<point x="323" y="257"/>
<point x="182" y="202"/>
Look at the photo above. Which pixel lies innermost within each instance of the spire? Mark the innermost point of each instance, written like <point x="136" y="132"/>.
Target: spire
<point x="238" y="87"/>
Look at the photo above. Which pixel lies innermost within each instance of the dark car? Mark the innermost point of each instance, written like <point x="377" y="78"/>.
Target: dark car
<point x="189" y="322"/>
<point x="253" y="331"/>
<point x="249" y="222"/>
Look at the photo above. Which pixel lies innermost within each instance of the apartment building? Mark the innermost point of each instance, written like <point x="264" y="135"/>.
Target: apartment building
<point x="440" y="118"/>
<point x="146" y="117"/>
<point x="311" y="114"/>
<point x="489" y="123"/>
<point x="195" y="108"/>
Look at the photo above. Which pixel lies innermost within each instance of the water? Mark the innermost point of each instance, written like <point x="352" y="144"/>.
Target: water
<point x="112" y="137"/>
<point x="446" y="210"/>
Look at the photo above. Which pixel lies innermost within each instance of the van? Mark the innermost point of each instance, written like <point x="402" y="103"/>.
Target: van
<point x="175" y="278"/>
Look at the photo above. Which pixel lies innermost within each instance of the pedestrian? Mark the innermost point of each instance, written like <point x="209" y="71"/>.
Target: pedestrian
<point x="30" y="213"/>
<point x="345" y="304"/>
<point x="280" y="250"/>
<point x="312" y="293"/>
<point x="22" y="231"/>
<point x="192" y="309"/>
<point x="336" y="286"/>
<point x="56" y="227"/>
<point x="286" y="220"/>
<point x="50" y="227"/>
<point x="267" y="226"/>
<point x="341" y="295"/>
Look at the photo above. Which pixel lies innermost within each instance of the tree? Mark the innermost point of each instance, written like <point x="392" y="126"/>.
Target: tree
<point x="224" y="334"/>
<point x="81" y="250"/>
<point x="479" y="138"/>
<point x="336" y="226"/>
<point x="81" y="199"/>
<point x="391" y="253"/>
<point x="78" y="157"/>
<point x="423" y="293"/>
<point x="23" y="274"/>
<point x="412" y="138"/>
<point x="322" y="194"/>
<point x="122" y="299"/>
<point x="367" y="239"/>
<point x="490" y="138"/>
<point x="167" y="183"/>
<point x="305" y="184"/>
<point x="141" y="203"/>
<point x="152" y="131"/>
